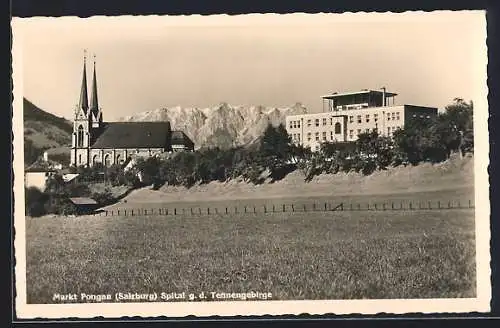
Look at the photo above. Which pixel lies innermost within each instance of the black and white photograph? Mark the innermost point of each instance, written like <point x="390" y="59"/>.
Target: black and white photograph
<point x="251" y="164"/>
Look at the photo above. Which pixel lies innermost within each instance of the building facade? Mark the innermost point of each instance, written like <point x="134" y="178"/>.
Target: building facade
<point x="95" y="141"/>
<point x="347" y="115"/>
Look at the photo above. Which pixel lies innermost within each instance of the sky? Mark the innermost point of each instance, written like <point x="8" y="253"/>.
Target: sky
<point x="149" y="62"/>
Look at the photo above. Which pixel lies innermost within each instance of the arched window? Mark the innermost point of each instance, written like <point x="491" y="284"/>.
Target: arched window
<point x="94" y="160"/>
<point x="337" y="128"/>
<point x="117" y="160"/>
<point x="107" y="160"/>
<point x="80" y="136"/>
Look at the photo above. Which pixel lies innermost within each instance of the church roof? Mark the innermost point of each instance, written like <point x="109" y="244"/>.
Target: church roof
<point x="180" y="138"/>
<point x="134" y="135"/>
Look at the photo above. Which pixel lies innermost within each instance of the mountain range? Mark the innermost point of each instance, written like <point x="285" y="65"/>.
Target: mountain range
<point x="223" y="125"/>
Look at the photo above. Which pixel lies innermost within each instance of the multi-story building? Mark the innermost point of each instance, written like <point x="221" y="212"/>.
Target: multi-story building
<point x="347" y="115"/>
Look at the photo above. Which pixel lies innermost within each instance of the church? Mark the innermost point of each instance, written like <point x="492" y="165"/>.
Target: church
<point x="95" y="141"/>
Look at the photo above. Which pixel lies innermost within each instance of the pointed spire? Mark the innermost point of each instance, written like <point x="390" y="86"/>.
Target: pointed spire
<point x="94" y="104"/>
<point x="84" y="102"/>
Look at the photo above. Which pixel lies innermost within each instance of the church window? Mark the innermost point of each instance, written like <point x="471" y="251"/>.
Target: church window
<point x="80" y="136"/>
<point x="94" y="160"/>
<point x="107" y="160"/>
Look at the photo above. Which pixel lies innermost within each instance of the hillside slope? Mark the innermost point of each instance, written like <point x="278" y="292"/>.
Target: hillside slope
<point x="223" y="125"/>
<point x="454" y="174"/>
<point x="43" y="130"/>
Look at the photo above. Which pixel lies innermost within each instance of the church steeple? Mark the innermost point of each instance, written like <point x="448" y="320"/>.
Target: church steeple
<point x="94" y="104"/>
<point x="84" y="102"/>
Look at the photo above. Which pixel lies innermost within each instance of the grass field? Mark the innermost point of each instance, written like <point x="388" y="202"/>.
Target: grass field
<point x="320" y="255"/>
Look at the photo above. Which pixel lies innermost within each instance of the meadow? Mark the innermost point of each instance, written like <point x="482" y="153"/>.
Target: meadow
<point x="314" y="255"/>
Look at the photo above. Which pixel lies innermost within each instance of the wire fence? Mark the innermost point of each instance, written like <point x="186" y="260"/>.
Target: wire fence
<point x="289" y="208"/>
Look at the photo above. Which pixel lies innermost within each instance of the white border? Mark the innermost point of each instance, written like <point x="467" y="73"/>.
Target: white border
<point x="396" y="306"/>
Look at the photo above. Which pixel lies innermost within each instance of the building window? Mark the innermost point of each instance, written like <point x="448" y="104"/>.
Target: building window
<point x="316" y="122"/>
<point x="298" y="124"/>
<point x="351" y="119"/>
<point x="397" y="116"/>
<point x="308" y="122"/>
<point x="388" y="131"/>
<point x="351" y="134"/>
<point x="324" y="120"/>
<point x="291" y="124"/>
<point x="331" y="135"/>
<point x="375" y="117"/>
<point x="331" y="120"/>
<point x="359" y="118"/>
<point x="359" y="132"/>
<point x="79" y="158"/>
<point x="367" y="118"/>
<point x="317" y="147"/>
<point x="294" y="124"/>
<point x="94" y="160"/>
<point x="298" y="136"/>
<point x="324" y="136"/>
<point x="308" y="136"/>
<point x="388" y="116"/>
<point x="367" y="130"/>
<point x="393" y="116"/>
<point x="317" y="136"/>
<point x="338" y="128"/>
<point x="80" y="136"/>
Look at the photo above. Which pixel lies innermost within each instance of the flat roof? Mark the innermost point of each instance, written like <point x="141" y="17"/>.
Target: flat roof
<point x="336" y="95"/>
<point x="82" y="201"/>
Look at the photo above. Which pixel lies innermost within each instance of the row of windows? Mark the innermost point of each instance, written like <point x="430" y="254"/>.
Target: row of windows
<point x="323" y="136"/>
<point x="295" y="136"/>
<point x="294" y="124"/>
<point x="395" y="116"/>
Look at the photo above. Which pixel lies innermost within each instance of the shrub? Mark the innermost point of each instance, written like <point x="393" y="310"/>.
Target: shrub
<point x="35" y="201"/>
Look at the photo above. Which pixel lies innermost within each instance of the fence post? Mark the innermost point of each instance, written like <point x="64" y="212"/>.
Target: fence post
<point x="166" y="211"/>
<point x="273" y="208"/>
<point x="305" y="208"/>
<point x="342" y="207"/>
<point x="375" y="206"/>
<point x="368" y="206"/>
<point x="265" y="209"/>
<point x="350" y="206"/>
<point x="325" y="207"/>
<point x="293" y="209"/>
<point x="254" y="209"/>
<point x="439" y="204"/>
<point x="125" y="212"/>
<point x="245" y="209"/>
<point x="410" y="206"/>
<point x="106" y="212"/>
<point x="449" y="205"/>
<point x="283" y="207"/>
<point x="226" y="210"/>
<point x="208" y="210"/>
<point x="132" y="212"/>
<point x="191" y="210"/>
<point x="235" y="209"/>
<point x="469" y="203"/>
<point x="383" y="206"/>
<point x="459" y="203"/>
<point x="314" y="206"/>
<point x="401" y="206"/>
<point x="175" y="210"/>
<point x="199" y="210"/>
